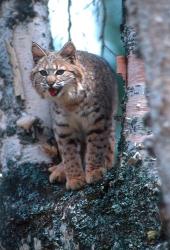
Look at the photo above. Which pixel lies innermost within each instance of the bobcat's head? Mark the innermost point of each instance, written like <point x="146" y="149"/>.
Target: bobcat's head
<point x="57" y="74"/>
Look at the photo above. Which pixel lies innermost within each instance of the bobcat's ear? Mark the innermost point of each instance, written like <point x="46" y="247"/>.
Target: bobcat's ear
<point x="37" y="52"/>
<point x="68" y="52"/>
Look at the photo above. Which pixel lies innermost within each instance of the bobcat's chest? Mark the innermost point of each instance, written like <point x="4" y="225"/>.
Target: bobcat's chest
<point x="67" y="122"/>
<point x="78" y="123"/>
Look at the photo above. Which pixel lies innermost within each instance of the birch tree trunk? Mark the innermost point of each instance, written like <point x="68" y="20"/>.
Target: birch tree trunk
<point x="151" y="20"/>
<point x="21" y="107"/>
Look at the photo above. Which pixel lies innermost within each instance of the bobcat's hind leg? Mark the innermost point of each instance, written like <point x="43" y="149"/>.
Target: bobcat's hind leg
<point x="109" y="160"/>
<point x="99" y="154"/>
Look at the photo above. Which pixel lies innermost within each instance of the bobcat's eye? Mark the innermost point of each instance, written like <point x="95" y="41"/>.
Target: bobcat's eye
<point x="43" y="72"/>
<point x="60" y="72"/>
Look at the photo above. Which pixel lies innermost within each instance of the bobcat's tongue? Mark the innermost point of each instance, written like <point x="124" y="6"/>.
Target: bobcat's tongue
<point x="52" y="91"/>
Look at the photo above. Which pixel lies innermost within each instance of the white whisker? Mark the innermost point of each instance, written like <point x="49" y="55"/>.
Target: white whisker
<point x="59" y="84"/>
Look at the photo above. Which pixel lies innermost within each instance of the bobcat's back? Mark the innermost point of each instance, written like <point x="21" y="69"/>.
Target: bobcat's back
<point x="98" y="76"/>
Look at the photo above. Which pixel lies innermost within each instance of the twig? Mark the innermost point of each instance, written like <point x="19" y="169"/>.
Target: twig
<point x="69" y="19"/>
<point x="88" y="5"/>
<point x="102" y="35"/>
<point x="110" y="50"/>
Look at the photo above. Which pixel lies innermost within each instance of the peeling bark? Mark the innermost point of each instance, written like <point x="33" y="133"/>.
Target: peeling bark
<point x="17" y="81"/>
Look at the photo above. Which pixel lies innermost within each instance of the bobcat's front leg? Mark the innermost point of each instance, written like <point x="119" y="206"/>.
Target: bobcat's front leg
<point x="97" y="154"/>
<point x="71" y="160"/>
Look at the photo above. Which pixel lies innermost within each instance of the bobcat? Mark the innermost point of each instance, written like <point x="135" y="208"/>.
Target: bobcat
<point x="82" y="88"/>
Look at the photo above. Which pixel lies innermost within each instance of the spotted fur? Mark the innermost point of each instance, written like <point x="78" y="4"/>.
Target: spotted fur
<point x="83" y="92"/>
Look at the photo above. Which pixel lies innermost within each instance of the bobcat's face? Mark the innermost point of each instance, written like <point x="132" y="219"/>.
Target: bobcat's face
<point x="56" y="75"/>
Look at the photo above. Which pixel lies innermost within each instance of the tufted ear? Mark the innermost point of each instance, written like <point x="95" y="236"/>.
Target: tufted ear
<point x="68" y="52"/>
<point x="37" y="52"/>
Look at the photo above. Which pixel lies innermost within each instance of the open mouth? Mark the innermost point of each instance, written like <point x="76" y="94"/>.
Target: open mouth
<point x="55" y="91"/>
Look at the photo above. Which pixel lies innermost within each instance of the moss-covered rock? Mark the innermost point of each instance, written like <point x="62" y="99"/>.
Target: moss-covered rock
<point x="117" y="213"/>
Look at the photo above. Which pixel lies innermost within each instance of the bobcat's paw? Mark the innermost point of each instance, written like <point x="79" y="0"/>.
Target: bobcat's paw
<point x="75" y="183"/>
<point x="94" y="175"/>
<point x="57" y="173"/>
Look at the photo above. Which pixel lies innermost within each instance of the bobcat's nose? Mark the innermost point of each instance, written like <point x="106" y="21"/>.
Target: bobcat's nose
<point x="51" y="79"/>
